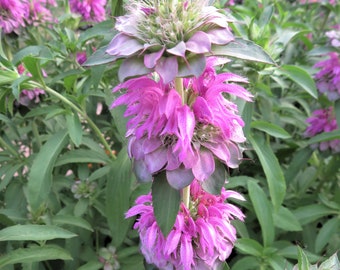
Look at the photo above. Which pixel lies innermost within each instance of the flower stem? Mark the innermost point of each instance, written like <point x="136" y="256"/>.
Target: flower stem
<point x="186" y="196"/>
<point x="82" y="113"/>
<point x="180" y="89"/>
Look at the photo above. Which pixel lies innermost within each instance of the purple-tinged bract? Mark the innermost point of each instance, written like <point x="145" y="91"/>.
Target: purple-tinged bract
<point x="169" y="37"/>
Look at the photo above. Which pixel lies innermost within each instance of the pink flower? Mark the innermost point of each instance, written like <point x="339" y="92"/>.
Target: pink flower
<point x="90" y="10"/>
<point x="334" y="36"/>
<point x="13" y="14"/>
<point x="169" y="37"/>
<point x="28" y="95"/>
<point x="323" y="120"/>
<point x="186" y="139"/>
<point x="40" y="12"/>
<point x="328" y="78"/>
<point x="202" y="236"/>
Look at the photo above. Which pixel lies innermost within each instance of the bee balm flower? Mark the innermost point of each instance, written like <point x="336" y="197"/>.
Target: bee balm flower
<point x="13" y="14"/>
<point x="169" y="37"/>
<point x="202" y="236"/>
<point x="185" y="139"/>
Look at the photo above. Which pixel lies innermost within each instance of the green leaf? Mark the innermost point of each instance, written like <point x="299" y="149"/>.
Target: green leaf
<point x="71" y="220"/>
<point x="100" y="57"/>
<point x="266" y="16"/>
<point x="34" y="254"/>
<point x="271" y="129"/>
<point x="272" y="170"/>
<point x="337" y="112"/>
<point x="32" y="64"/>
<point x="298" y="162"/>
<point x="263" y="212"/>
<point x="246" y="263"/>
<point x="310" y="213"/>
<point x="303" y="262"/>
<point x="286" y="220"/>
<point x="330" y="264"/>
<point x="118" y="197"/>
<point x="32" y="232"/>
<point x="91" y="265"/>
<point x="41" y="52"/>
<point x="300" y="77"/>
<point x="74" y="128"/>
<point x="166" y="202"/>
<point x="328" y="229"/>
<point x="240" y="48"/>
<point x="82" y="156"/>
<point x="215" y="182"/>
<point x="249" y="246"/>
<point x="105" y="28"/>
<point x="40" y="177"/>
<point x="326" y="136"/>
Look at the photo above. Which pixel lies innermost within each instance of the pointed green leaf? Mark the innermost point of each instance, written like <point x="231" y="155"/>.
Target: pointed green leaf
<point x="34" y="254"/>
<point x="40" y="177"/>
<point x="216" y="181"/>
<point x="328" y="229"/>
<point x="337" y="112"/>
<point x="298" y="162"/>
<point x="249" y="246"/>
<point x="240" y="48"/>
<point x="310" y="213"/>
<point x="71" y="220"/>
<point x="82" y="156"/>
<point x="271" y="129"/>
<point x="32" y="232"/>
<point x="326" y="136"/>
<point x="263" y="212"/>
<point x="118" y="197"/>
<point x="300" y="77"/>
<point x="166" y="202"/>
<point x="303" y="262"/>
<point x="286" y="220"/>
<point x="74" y="128"/>
<point x="100" y="57"/>
<point x="272" y="170"/>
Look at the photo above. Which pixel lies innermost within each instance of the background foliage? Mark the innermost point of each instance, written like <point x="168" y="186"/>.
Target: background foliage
<point x="66" y="179"/>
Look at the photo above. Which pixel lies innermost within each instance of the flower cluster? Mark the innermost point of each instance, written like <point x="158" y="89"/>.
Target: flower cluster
<point x="169" y="37"/>
<point x="323" y="120"/>
<point x="201" y="238"/>
<point x="90" y="10"/>
<point x="334" y="36"/>
<point x="83" y="189"/>
<point x="183" y="138"/>
<point x="328" y="78"/>
<point x="29" y="95"/>
<point x="15" y="14"/>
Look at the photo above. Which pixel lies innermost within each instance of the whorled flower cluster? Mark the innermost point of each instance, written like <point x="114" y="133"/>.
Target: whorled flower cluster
<point x="169" y="37"/>
<point x="323" y="120"/>
<point x="202" y="237"/>
<point x="15" y="14"/>
<point x="185" y="135"/>
<point x="328" y="78"/>
<point x="90" y="10"/>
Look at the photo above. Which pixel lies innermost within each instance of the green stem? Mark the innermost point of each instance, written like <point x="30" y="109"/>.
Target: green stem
<point x="186" y="196"/>
<point x="180" y="89"/>
<point x="82" y="113"/>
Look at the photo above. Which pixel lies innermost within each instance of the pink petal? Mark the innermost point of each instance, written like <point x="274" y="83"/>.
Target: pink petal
<point x="167" y="68"/>
<point x="220" y="36"/>
<point x="123" y="45"/>
<point x="178" y="50"/>
<point x="199" y="43"/>
<point x="205" y="166"/>
<point x="150" y="60"/>
<point x="179" y="178"/>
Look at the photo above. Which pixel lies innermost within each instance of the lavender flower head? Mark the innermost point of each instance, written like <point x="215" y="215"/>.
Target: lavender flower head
<point x="90" y="10"/>
<point x="29" y="95"/>
<point x="170" y="37"/>
<point x="323" y="120"/>
<point x="40" y="12"/>
<point x="185" y="136"/>
<point x="328" y="78"/>
<point x="334" y="36"/>
<point x="13" y="14"/>
<point x="202" y="236"/>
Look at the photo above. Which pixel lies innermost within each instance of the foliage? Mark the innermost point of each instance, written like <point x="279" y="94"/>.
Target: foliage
<point x="66" y="179"/>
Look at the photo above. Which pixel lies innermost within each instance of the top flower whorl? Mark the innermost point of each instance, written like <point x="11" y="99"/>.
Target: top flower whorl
<point x="169" y="37"/>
